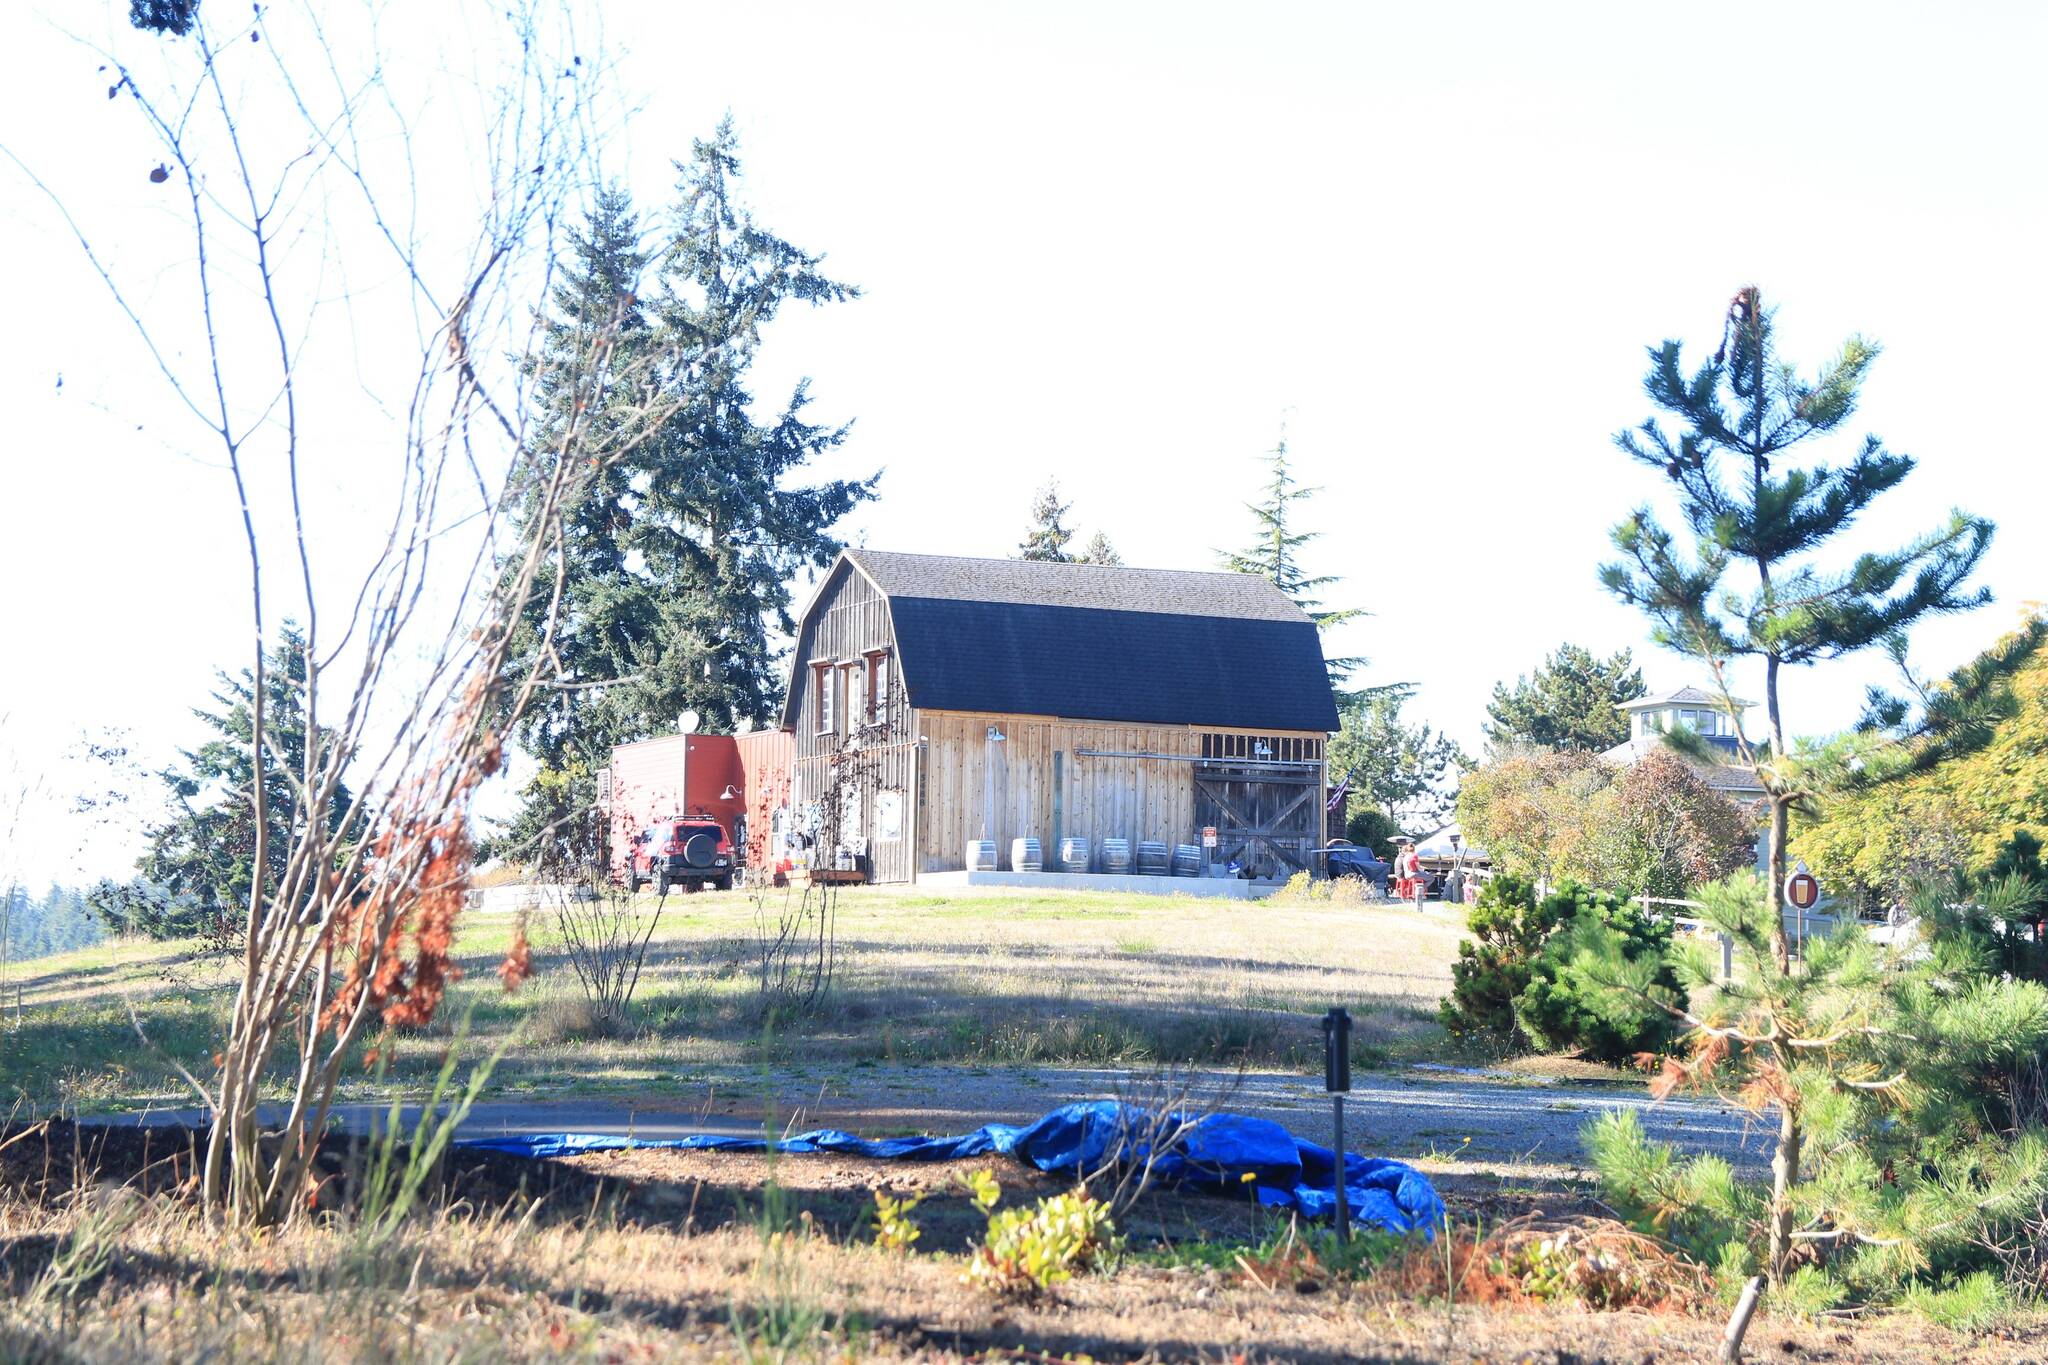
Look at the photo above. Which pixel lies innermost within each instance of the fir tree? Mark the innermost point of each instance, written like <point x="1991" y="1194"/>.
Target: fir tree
<point x="677" y="569"/>
<point x="1100" y="551"/>
<point x="1573" y="701"/>
<point x="1745" y="505"/>
<point x="1275" y="553"/>
<point x="1048" y="536"/>
<point x="195" y="875"/>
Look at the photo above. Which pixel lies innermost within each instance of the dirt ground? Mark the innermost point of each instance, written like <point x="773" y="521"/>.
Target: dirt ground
<point x="660" y="1254"/>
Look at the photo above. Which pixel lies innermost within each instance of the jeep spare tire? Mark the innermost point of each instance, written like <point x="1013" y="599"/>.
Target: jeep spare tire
<point x="700" y="848"/>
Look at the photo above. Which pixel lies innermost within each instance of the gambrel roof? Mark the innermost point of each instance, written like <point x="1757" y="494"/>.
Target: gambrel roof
<point x="1093" y="642"/>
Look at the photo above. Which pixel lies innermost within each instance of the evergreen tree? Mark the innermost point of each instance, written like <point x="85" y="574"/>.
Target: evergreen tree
<point x="194" y="877"/>
<point x="1746" y="505"/>
<point x="1048" y="536"/>
<point x="1100" y="551"/>
<point x="1895" y="1143"/>
<point x="1275" y="553"/>
<point x="677" y="569"/>
<point x="1573" y="701"/>
<point x="1408" y="771"/>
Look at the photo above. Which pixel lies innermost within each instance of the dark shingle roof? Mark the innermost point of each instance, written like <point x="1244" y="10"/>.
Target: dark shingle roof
<point x="1089" y="642"/>
<point x="1025" y="582"/>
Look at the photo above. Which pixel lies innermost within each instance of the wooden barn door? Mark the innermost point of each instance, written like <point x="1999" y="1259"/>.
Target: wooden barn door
<point x="1265" y="815"/>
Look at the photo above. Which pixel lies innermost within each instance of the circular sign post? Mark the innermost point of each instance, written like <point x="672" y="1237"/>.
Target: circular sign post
<point x="1802" y="889"/>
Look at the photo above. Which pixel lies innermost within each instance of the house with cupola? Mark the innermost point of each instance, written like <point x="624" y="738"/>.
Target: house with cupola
<point x="1706" y="715"/>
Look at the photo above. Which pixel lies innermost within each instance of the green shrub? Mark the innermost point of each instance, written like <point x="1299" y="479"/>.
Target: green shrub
<point x="1975" y="1303"/>
<point x="1374" y="829"/>
<point x="1519" y="981"/>
<point x="1508" y="928"/>
<point x="1560" y="1010"/>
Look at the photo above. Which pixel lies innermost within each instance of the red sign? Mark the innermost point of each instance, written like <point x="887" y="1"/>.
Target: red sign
<point x="1208" y="836"/>
<point x="1802" y="891"/>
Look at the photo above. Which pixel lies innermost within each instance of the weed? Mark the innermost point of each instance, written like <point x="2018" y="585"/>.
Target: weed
<point x="895" y="1229"/>
<point x="1029" y="1250"/>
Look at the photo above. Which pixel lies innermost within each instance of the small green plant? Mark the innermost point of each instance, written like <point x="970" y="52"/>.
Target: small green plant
<point x="81" y="1258"/>
<point x="895" y="1229"/>
<point x="400" y="1162"/>
<point x="1029" y="1250"/>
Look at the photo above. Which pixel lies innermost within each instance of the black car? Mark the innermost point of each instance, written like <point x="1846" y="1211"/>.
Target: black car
<point x="1351" y="860"/>
<point x="686" y="852"/>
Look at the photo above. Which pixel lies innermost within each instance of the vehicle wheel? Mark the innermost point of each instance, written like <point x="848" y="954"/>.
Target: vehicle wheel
<point x="723" y="883"/>
<point x="632" y="881"/>
<point x="661" y="883"/>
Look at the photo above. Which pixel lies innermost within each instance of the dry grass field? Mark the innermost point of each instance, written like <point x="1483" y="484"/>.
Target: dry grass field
<point x="983" y="977"/>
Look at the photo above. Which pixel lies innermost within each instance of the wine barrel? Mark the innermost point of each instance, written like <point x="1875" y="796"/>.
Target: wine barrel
<point x="981" y="855"/>
<point x="1026" y="856"/>
<point x="1116" y="856"/>
<point x="1187" y="860"/>
<point x="1154" y="858"/>
<point x="1073" y="855"/>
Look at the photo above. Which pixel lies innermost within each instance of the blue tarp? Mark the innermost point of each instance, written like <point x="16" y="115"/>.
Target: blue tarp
<point x="1287" y="1172"/>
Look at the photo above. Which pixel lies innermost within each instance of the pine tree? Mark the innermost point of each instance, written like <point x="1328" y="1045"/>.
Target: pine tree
<point x="1275" y="554"/>
<point x="1746" y="505"/>
<point x="1881" y="1066"/>
<point x="678" y="567"/>
<point x="1048" y="536"/>
<point x="1100" y="551"/>
<point x="1573" y="701"/>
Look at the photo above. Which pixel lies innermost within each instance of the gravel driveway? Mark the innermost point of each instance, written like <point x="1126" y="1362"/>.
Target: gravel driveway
<point x="1415" y="1113"/>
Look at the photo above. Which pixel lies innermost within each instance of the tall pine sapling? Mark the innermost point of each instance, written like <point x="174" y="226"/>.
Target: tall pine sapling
<point x="1746" y="505"/>
<point x="1870" y="1060"/>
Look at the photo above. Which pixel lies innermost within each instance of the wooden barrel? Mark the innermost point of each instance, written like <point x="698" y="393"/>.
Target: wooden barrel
<point x="1187" y="860"/>
<point x="1074" y="855"/>
<point x="1026" y="856"/>
<point x="981" y="855"/>
<point x="1116" y="856"/>
<point x="1154" y="858"/>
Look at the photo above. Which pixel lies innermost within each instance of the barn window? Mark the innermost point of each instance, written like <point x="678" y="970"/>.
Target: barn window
<point x="821" y="676"/>
<point x="878" y="686"/>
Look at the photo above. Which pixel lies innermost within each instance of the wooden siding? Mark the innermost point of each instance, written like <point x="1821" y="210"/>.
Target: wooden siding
<point x="1047" y="787"/>
<point x="849" y="620"/>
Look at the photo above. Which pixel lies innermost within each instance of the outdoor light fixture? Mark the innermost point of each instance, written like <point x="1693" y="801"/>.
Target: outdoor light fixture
<point x="731" y="793"/>
<point x="1261" y="749"/>
<point x="1337" y="1080"/>
<point x="996" y="735"/>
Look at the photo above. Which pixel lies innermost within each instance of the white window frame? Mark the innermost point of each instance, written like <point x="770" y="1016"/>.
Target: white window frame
<point x="877" y="674"/>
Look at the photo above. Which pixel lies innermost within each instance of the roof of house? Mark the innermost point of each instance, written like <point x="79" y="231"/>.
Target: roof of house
<point x="1042" y="583"/>
<point x="1684" y="696"/>
<point x="1733" y="778"/>
<point x="1092" y="642"/>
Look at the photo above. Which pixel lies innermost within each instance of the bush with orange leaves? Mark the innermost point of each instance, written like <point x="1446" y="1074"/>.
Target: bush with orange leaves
<point x="1892" y="1159"/>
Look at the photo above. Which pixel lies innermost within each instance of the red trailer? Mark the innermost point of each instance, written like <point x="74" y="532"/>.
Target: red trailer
<point x="725" y="777"/>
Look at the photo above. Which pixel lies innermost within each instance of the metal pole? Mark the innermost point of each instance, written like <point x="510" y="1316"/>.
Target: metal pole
<point x="1343" y="1195"/>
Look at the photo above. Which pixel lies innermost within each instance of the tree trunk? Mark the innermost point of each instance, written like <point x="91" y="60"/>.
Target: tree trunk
<point x="1784" y="1173"/>
<point x="1780" y="816"/>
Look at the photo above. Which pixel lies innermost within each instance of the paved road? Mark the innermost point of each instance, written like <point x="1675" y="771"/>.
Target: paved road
<point x="1400" y="1114"/>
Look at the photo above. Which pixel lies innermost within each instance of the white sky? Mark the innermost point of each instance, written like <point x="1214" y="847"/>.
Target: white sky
<point x="1120" y="243"/>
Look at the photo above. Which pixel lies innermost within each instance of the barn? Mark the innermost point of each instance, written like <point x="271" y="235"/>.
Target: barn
<point x="935" y="701"/>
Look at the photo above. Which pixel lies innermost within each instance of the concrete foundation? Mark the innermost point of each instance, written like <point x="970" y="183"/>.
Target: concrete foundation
<point x="1214" y="888"/>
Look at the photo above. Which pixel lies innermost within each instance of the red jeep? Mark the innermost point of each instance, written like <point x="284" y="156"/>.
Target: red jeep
<point x="683" y="852"/>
